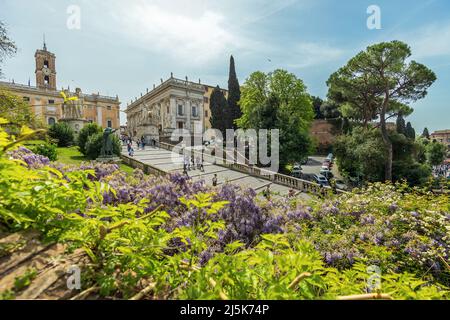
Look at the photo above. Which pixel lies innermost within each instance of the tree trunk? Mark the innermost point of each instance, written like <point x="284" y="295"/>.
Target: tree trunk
<point x="386" y="140"/>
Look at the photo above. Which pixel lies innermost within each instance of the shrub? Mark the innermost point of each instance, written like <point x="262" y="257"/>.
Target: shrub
<point x="94" y="145"/>
<point x="47" y="150"/>
<point x="63" y="133"/>
<point x="87" y="131"/>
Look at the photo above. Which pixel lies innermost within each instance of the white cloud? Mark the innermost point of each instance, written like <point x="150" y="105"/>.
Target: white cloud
<point x="429" y="41"/>
<point x="189" y="36"/>
<point x="307" y="54"/>
<point x="193" y="32"/>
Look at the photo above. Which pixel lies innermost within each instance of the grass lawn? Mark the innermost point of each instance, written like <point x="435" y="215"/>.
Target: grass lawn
<point x="73" y="156"/>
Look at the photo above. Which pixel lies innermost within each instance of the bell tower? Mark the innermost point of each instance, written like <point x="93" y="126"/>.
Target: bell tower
<point x="45" y="69"/>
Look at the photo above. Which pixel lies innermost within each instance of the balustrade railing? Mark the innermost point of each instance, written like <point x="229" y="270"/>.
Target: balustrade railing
<point x="275" y="177"/>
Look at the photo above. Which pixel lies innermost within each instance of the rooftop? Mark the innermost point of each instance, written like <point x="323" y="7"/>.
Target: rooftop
<point x="36" y="90"/>
<point x="441" y="132"/>
<point x="172" y="81"/>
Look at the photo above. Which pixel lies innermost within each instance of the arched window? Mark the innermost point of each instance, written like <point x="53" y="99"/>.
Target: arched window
<point x="51" y="121"/>
<point x="46" y="63"/>
<point x="46" y="80"/>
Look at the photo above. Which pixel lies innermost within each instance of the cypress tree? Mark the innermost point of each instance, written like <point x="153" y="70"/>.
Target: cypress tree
<point x="426" y="133"/>
<point x="218" y="106"/>
<point x="401" y="127"/>
<point x="234" y="95"/>
<point x="410" y="132"/>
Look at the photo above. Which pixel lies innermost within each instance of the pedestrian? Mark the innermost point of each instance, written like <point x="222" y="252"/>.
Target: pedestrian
<point x="214" y="180"/>
<point x="186" y="163"/>
<point x="291" y="193"/>
<point x="131" y="152"/>
<point x="266" y="192"/>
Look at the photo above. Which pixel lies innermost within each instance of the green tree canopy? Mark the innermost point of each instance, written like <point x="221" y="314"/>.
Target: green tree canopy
<point x="379" y="83"/>
<point x="278" y="100"/>
<point x="317" y="103"/>
<point x="330" y="110"/>
<point x="7" y="46"/>
<point x="361" y="157"/>
<point x="87" y="131"/>
<point x="219" y="110"/>
<point x="410" y="132"/>
<point x="426" y="133"/>
<point x="62" y="133"/>
<point x="17" y="112"/>
<point x="401" y="125"/>
<point x="436" y="153"/>
<point x="234" y="95"/>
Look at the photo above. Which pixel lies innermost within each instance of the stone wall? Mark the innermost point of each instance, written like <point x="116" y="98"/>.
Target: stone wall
<point x="324" y="133"/>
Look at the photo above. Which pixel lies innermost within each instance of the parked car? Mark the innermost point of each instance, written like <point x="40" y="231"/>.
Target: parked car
<point x="296" y="171"/>
<point x="320" y="179"/>
<point x="330" y="157"/>
<point x="327" y="174"/>
<point x="340" y="184"/>
<point x="304" y="161"/>
<point x="325" y="168"/>
<point x="326" y="165"/>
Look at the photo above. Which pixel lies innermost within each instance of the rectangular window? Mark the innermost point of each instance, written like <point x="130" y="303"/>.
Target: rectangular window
<point x="108" y="107"/>
<point x="51" y="101"/>
<point x="180" y="125"/>
<point x="109" y="124"/>
<point x="180" y="109"/>
<point x="194" y="111"/>
<point x="206" y="113"/>
<point x="27" y="99"/>
<point x="205" y="99"/>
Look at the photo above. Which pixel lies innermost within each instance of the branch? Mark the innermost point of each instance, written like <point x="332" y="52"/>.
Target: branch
<point x="144" y="292"/>
<point x="370" y="296"/>
<point x="85" y="293"/>
<point x="298" y="279"/>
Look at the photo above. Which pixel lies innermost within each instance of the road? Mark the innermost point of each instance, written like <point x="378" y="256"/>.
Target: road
<point x="315" y="164"/>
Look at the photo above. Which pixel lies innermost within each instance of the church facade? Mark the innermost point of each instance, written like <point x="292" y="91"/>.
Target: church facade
<point x="47" y="102"/>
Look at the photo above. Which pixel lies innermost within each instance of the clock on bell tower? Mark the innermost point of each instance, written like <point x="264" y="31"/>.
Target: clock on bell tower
<point x="45" y="69"/>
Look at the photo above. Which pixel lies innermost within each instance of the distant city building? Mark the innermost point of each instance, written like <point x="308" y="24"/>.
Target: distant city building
<point x="442" y="136"/>
<point x="47" y="102"/>
<point x="174" y="104"/>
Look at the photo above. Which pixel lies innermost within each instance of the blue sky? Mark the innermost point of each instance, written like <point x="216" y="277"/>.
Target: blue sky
<point x="124" y="47"/>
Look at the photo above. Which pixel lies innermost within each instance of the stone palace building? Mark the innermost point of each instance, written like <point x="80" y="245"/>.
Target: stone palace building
<point x="47" y="103"/>
<point x="174" y="104"/>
